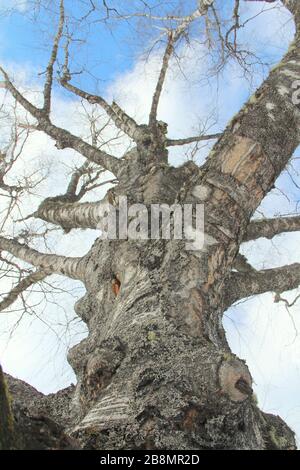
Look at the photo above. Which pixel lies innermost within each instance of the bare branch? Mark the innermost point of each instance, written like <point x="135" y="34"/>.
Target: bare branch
<point x="189" y="140"/>
<point x="130" y="127"/>
<point x="63" y="209"/>
<point x="33" y="110"/>
<point x="73" y="184"/>
<point x="53" y="57"/>
<point x="288" y="304"/>
<point x="70" y="267"/>
<point x="234" y="28"/>
<point x="161" y="79"/>
<point x="173" y="37"/>
<point x="268" y="228"/>
<point x="118" y="116"/>
<point x="73" y="194"/>
<point x="203" y="6"/>
<point x="8" y="157"/>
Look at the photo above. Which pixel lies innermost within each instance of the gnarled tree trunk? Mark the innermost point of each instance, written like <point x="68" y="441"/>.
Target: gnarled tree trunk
<point x="155" y="371"/>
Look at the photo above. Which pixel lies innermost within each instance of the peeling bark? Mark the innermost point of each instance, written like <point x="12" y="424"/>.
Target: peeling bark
<point x="156" y="371"/>
<point x="71" y="267"/>
<point x="63" y="138"/>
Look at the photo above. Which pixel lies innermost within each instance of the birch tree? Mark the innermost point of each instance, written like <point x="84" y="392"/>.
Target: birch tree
<point x="156" y="371"/>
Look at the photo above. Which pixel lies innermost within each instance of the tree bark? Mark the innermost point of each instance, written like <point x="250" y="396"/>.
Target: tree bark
<point x="156" y="371"/>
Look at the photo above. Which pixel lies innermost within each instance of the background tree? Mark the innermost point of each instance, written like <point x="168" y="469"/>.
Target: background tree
<point x="156" y="371"/>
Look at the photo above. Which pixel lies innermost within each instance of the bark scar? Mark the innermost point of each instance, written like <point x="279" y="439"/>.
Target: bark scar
<point x="116" y="284"/>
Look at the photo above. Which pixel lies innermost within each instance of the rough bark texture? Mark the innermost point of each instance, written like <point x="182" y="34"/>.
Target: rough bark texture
<point x="7" y="431"/>
<point x="33" y="421"/>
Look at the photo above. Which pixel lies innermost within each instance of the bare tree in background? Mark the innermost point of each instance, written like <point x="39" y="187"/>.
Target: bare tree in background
<point x="155" y="371"/>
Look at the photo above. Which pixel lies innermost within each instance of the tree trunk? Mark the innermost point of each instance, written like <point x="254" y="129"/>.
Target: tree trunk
<point x="7" y="432"/>
<point x="155" y="371"/>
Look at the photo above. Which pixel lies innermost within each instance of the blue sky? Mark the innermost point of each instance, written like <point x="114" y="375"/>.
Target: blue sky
<point x="25" y="41"/>
<point x="262" y="332"/>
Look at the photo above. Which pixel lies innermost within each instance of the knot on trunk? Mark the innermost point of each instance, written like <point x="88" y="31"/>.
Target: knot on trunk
<point x="100" y="368"/>
<point x="235" y="379"/>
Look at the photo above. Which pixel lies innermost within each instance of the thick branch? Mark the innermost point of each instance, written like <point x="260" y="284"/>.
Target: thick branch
<point x="69" y="215"/>
<point x="203" y="6"/>
<point x="73" y="184"/>
<point x="119" y="117"/>
<point x="130" y="127"/>
<point x="268" y="228"/>
<point x="242" y="285"/>
<point x="73" y="193"/>
<point x="70" y="267"/>
<point x="174" y="36"/>
<point x="64" y="210"/>
<point x="27" y="282"/>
